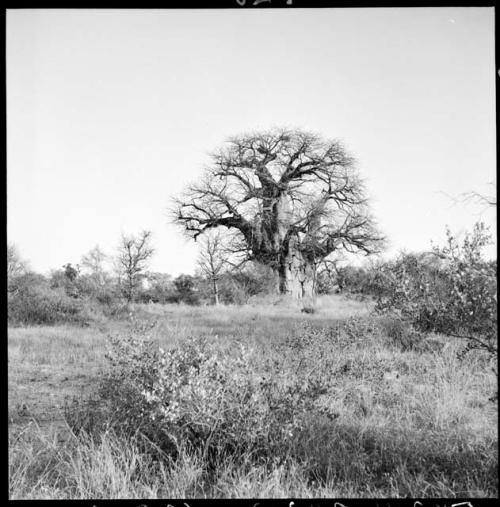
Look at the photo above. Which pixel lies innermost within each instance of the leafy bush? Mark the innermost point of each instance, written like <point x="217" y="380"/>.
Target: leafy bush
<point x="34" y="302"/>
<point x="107" y="296"/>
<point x="456" y="297"/>
<point x="161" y="289"/>
<point x="354" y="280"/>
<point x="66" y="279"/>
<point x="29" y="279"/>
<point x="237" y="286"/>
<point x="186" y="290"/>
<point x="308" y="309"/>
<point x="213" y="398"/>
<point x="328" y="400"/>
<point x="402" y="334"/>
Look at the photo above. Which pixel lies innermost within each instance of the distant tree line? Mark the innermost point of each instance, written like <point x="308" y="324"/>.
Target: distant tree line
<point x="451" y="289"/>
<point x="102" y="282"/>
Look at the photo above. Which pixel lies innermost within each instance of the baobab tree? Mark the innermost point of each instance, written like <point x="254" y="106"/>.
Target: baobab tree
<point x="290" y="198"/>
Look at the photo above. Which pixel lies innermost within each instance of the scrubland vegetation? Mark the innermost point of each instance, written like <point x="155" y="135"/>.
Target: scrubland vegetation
<point x="277" y="369"/>
<point x="248" y="402"/>
<point x="369" y="393"/>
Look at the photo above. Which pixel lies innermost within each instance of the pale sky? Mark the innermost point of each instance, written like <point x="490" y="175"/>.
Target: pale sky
<point x="112" y="112"/>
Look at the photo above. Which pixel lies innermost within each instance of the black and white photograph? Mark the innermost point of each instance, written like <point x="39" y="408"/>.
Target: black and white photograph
<point x="251" y="253"/>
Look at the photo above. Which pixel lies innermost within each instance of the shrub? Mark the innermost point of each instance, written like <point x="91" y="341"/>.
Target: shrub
<point x="29" y="279"/>
<point x="34" y="302"/>
<point x="366" y="281"/>
<point x="402" y="334"/>
<point x="213" y="398"/>
<point x="160" y="289"/>
<point x="319" y="398"/>
<point x="457" y="298"/>
<point x="186" y="290"/>
<point x="238" y="286"/>
<point x="117" y="308"/>
<point x="107" y="296"/>
<point x="66" y="279"/>
<point x="308" y="309"/>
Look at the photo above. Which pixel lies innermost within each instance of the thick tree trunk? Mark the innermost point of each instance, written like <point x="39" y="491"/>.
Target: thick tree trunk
<point x="297" y="277"/>
<point x="294" y="274"/>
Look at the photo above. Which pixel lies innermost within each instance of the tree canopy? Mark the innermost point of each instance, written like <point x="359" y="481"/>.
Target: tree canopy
<point x="290" y="197"/>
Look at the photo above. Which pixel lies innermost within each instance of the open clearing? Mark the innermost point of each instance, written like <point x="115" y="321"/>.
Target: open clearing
<point x="48" y="364"/>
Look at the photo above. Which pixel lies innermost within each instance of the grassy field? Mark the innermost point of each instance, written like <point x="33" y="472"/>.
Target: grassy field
<point x="408" y="421"/>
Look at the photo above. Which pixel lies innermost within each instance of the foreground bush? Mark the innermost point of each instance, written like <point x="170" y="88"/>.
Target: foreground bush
<point x="329" y="405"/>
<point x="214" y="399"/>
<point x="456" y="295"/>
<point x="332" y="408"/>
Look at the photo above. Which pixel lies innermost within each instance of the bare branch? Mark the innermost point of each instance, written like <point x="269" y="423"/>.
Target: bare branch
<point x="280" y="187"/>
<point x="133" y="255"/>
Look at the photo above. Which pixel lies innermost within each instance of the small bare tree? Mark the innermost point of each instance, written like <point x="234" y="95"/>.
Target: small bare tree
<point x="133" y="256"/>
<point x="329" y="270"/>
<point x="94" y="261"/>
<point x="212" y="260"/>
<point x="15" y="265"/>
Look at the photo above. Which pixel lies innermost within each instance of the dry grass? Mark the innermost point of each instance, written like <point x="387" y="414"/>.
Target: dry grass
<point x="406" y="422"/>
